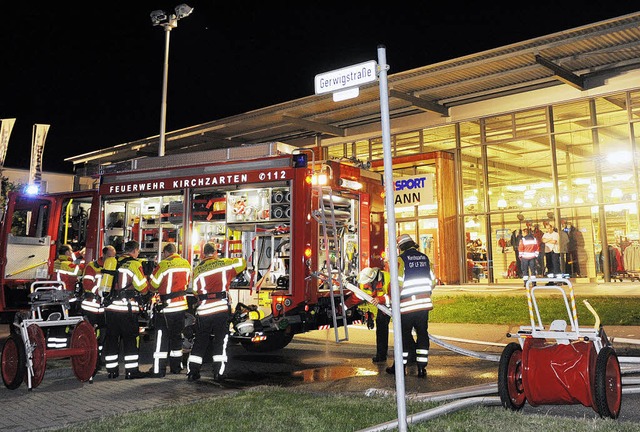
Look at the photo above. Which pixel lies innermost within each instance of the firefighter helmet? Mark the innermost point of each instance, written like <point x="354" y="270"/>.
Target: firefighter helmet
<point x="403" y="239"/>
<point x="367" y="275"/>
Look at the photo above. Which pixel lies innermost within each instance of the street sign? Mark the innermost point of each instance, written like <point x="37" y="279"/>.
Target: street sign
<point x="345" y="78"/>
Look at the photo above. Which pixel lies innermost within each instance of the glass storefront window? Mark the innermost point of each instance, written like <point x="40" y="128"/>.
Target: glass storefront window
<point x="439" y="138"/>
<point x="571" y="116"/>
<point x="477" y="264"/>
<point x="469" y="133"/>
<point x="576" y="168"/>
<point x="407" y="144"/>
<point x="336" y="151"/>
<point x="362" y="151"/>
<point x="616" y="164"/>
<point x="473" y="187"/>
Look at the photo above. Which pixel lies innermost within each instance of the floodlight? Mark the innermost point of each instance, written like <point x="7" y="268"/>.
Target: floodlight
<point x="158" y="16"/>
<point x="183" y="10"/>
<point x="168" y="21"/>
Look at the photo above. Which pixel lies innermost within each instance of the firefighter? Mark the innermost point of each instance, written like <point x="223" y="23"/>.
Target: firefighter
<point x="170" y="279"/>
<point x="211" y="280"/>
<point x="66" y="268"/>
<point x="92" y="307"/>
<point x="68" y="272"/>
<point x="375" y="282"/>
<point x="122" y="307"/>
<point x="415" y="280"/>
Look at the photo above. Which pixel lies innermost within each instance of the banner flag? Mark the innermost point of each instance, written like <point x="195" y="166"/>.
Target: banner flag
<point x="6" y="126"/>
<point x="37" y="148"/>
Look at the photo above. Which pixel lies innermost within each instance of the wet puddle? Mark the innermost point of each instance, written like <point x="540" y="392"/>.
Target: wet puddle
<point x="332" y="373"/>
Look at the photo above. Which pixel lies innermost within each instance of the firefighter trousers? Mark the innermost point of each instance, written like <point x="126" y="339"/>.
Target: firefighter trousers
<point x="168" y="343"/>
<point x="415" y="350"/>
<point x="210" y="330"/>
<point x="97" y="320"/>
<point x="382" y="334"/>
<point x="121" y="326"/>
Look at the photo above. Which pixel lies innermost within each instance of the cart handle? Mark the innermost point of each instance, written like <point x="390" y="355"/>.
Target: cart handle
<point x="596" y="326"/>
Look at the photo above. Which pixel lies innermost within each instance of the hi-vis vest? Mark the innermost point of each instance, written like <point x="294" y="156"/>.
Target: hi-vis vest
<point x="130" y="277"/>
<point x="170" y="278"/>
<point x="414" y="274"/>
<point x="377" y="289"/>
<point x="91" y="284"/>
<point x="67" y="271"/>
<point x="211" y="280"/>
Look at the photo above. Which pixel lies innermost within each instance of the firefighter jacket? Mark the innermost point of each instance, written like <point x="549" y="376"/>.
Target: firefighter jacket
<point x="211" y="280"/>
<point x="170" y="279"/>
<point x="528" y="247"/>
<point x="379" y="289"/>
<point x="91" y="285"/>
<point x="67" y="271"/>
<point x="129" y="285"/>
<point x="415" y="279"/>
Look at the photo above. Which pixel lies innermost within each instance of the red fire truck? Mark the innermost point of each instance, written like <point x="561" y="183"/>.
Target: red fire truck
<point x="303" y="226"/>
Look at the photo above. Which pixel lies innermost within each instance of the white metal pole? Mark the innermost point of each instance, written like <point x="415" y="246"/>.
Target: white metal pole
<point x="393" y="252"/>
<point x="165" y="79"/>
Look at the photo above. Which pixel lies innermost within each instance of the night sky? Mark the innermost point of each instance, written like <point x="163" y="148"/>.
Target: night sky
<point x="95" y="73"/>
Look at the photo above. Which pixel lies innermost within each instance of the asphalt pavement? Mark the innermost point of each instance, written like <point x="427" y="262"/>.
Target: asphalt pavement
<point x="63" y="400"/>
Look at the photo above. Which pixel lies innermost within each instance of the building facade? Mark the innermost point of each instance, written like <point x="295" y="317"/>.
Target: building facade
<point x="572" y="162"/>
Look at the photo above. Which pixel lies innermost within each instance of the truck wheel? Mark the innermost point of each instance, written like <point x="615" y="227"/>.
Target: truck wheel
<point x="38" y="355"/>
<point x="14" y="362"/>
<point x="274" y="342"/>
<point x="608" y="384"/>
<point x="510" y="386"/>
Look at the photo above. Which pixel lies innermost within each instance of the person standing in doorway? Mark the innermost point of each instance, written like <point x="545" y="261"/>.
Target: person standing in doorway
<point x="529" y="251"/>
<point x="170" y="279"/>
<point x="375" y="282"/>
<point x="415" y="280"/>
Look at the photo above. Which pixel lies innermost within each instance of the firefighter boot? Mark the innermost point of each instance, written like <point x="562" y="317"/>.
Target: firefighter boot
<point x="392" y="369"/>
<point x="422" y="370"/>
<point x="135" y="374"/>
<point x="193" y="375"/>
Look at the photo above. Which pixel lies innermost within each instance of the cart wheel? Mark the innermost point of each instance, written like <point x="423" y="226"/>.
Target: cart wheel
<point x="84" y="338"/>
<point x="14" y="361"/>
<point x="510" y="386"/>
<point x="38" y="355"/>
<point x="608" y="383"/>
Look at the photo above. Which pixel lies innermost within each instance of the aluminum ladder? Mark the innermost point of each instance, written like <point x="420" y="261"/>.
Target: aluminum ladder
<point x="325" y="215"/>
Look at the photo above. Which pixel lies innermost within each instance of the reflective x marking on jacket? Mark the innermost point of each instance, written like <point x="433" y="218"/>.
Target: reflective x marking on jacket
<point x="171" y="275"/>
<point x="213" y="276"/>
<point x="67" y="271"/>
<point x="130" y="275"/>
<point x="91" y="284"/>
<point x="414" y="277"/>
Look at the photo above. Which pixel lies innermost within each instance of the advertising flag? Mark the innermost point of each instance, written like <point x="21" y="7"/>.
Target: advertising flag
<point x="37" y="148"/>
<point x="6" y="126"/>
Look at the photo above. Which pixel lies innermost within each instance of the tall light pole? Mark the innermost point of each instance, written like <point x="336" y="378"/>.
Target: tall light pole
<point x="168" y="21"/>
